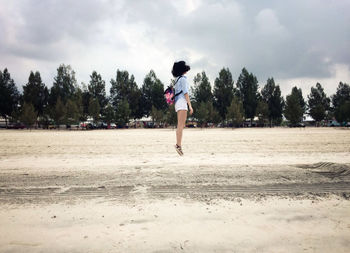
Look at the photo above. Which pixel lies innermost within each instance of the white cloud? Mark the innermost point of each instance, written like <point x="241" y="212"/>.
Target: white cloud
<point x="185" y="7"/>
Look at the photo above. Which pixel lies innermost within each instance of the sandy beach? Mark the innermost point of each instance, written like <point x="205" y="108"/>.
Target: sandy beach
<point x="241" y="190"/>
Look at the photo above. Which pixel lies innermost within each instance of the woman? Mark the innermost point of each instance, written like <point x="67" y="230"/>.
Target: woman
<point x="181" y="100"/>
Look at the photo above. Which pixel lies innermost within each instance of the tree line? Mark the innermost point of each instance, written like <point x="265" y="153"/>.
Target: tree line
<point x="225" y="103"/>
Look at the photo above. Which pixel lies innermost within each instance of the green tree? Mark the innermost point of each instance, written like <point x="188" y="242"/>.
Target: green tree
<point x="64" y="85"/>
<point x="341" y="103"/>
<point x="202" y="114"/>
<point x="318" y="103"/>
<point x="157" y="115"/>
<point x="59" y="112"/>
<point x="97" y="89"/>
<point x="72" y="112"/>
<point x="277" y="105"/>
<point x="152" y="94"/>
<point x="271" y="94"/>
<point x="36" y="93"/>
<point x="247" y="86"/>
<point x="123" y="113"/>
<point x="46" y="119"/>
<point x="109" y="115"/>
<point x="85" y="101"/>
<point x="223" y="92"/>
<point x="235" y="112"/>
<point x="202" y="96"/>
<point x="9" y="95"/>
<point x="299" y="93"/>
<point x="214" y="116"/>
<point x="202" y="89"/>
<point x="135" y="100"/>
<point x="343" y="113"/>
<point x="94" y="109"/>
<point x="78" y="101"/>
<point x="28" y="115"/>
<point x="171" y="116"/>
<point x="124" y="87"/>
<point x="120" y="87"/>
<point x="262" y="111"/>
<point x="294" y="111"/>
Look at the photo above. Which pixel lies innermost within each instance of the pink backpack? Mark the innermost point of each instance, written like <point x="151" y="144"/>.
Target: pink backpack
<point x="169" y="93"/>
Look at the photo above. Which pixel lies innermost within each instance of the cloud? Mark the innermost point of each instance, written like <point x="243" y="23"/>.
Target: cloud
<point x="340" y="73"/>
<point x="289" y="40"/>
<point x="43" y="28"/>
<point x="267" y="24"/>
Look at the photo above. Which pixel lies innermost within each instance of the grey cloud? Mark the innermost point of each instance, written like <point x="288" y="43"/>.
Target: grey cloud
<point x="50" y="21"/>
<point x="45" y="26"/>
<point x="283" y="39"/>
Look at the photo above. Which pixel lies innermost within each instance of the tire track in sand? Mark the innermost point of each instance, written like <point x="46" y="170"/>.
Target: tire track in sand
<point x="169" y="190"/>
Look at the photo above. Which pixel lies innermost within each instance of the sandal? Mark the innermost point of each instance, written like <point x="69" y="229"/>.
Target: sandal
<point x="179" y="150"/>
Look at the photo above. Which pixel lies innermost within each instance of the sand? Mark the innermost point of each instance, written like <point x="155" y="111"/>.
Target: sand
<point x="241" y="190"/>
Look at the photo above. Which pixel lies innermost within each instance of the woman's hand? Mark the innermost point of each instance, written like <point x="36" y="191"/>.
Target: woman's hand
<point x="191" y="110"/>
<point x="189" y="103"/>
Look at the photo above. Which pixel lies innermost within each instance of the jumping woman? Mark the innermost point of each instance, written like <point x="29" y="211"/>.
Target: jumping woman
<point x="181" y="100"/>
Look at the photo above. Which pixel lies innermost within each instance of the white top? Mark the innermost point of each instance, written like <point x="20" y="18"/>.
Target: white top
<point x="181" y="85"/>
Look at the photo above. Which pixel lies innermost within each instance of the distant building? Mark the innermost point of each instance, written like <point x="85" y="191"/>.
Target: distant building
<point x="2" y="122"/>
<point x="309" y="121"/>
<point x="145" y="122"/>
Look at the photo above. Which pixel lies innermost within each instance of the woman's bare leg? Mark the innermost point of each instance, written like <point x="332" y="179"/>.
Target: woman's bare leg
<point x="181" y="121"/>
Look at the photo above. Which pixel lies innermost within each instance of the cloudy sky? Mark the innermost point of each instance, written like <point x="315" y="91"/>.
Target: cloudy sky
<point x="298" y="42"/>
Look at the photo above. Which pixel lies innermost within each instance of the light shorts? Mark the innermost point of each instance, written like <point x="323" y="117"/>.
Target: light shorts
<point x="181" y="104"/>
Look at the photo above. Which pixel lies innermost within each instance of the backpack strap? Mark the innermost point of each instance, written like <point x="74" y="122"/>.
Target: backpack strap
<point x="177" y="94"/>
<point x="174" y="85"/>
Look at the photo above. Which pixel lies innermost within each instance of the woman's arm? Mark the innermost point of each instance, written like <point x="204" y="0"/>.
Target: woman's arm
<point x="189" y="103"/>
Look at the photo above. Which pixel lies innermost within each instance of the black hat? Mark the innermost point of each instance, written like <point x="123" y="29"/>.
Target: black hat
<point x="179" y="68"/>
